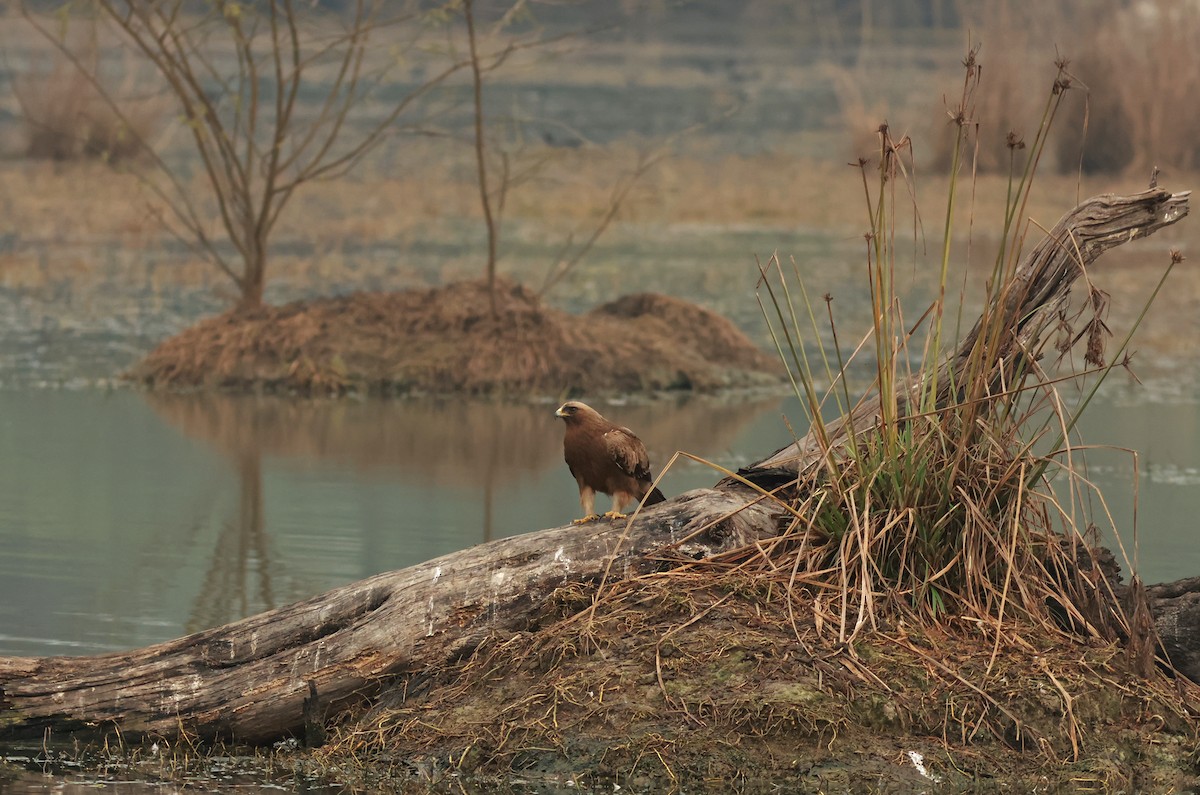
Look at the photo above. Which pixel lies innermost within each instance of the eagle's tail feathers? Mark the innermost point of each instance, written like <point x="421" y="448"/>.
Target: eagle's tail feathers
<point x="655" y="497"/>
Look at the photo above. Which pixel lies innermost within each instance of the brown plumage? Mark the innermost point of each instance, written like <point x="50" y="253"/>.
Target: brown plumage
<point x="607" y="458"/>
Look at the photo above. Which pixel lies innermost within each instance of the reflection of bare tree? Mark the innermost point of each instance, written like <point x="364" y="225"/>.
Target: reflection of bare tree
<point x="445" y="443"/>
<point x="241" y="553"/>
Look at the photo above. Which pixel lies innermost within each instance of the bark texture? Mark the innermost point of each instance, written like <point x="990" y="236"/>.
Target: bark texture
<point x="255" y="680"/>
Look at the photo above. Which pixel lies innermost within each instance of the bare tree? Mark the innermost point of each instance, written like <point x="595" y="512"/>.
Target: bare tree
<point x="498" y="174"/>
<point x="278" y="94"/>
<point x="480" y="156"/>
<point x="238" y="71"/>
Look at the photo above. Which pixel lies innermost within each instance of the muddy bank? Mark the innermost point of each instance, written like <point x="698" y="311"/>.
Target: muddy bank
<point x="445" y="340"/>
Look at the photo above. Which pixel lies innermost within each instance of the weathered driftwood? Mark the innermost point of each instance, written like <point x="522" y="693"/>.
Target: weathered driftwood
<point x="249" y="680"/>
<point x="255" y="680"/>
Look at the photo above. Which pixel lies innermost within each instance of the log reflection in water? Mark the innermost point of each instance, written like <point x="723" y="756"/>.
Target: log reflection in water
<point x="442" y="442"/>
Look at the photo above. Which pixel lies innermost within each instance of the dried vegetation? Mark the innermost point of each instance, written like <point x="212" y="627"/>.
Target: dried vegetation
<point x="445" y="340"/>
<point x="731" y="677"/>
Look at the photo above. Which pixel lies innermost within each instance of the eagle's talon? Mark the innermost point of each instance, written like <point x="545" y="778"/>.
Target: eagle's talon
<point x="615" y="515"/>
<point x="590" y="518"/>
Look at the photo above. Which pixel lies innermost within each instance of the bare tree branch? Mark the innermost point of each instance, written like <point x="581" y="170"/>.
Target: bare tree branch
<point x="237" y="72"/>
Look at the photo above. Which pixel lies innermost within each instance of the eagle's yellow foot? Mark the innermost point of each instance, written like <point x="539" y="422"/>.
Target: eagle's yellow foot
<point x="591" y="518"/>
<point x="615" y="515"/>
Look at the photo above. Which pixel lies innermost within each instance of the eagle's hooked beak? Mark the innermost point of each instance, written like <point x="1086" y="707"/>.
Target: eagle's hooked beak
<point x="559" y="412"/>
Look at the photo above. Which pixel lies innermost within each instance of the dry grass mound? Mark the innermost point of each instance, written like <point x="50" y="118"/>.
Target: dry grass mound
<point x="703" y="681"/>
<point x="445" y="340"/>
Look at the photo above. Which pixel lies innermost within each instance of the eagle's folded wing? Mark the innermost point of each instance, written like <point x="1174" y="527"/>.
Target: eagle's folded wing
<point x="629" y="453"/>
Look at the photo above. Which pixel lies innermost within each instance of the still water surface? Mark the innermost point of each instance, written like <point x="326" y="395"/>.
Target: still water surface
<point x="133" y="518"/>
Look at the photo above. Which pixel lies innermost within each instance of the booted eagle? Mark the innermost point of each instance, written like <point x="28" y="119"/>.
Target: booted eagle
<point x="607" y="458"/>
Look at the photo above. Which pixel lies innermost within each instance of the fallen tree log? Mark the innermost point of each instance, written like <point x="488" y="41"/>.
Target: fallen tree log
<point x="250" y="680"/>
<point x="270" y="675"/>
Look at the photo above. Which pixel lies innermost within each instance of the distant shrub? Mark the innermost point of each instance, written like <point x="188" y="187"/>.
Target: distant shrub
<point x="68" y="117"/>
<point x="1097" y="135"/>
<point x="1141" y="68"/>
<point x="860" y="116"/>
<point x="1007" y="105"/>
<point x="1134" y="71"/>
